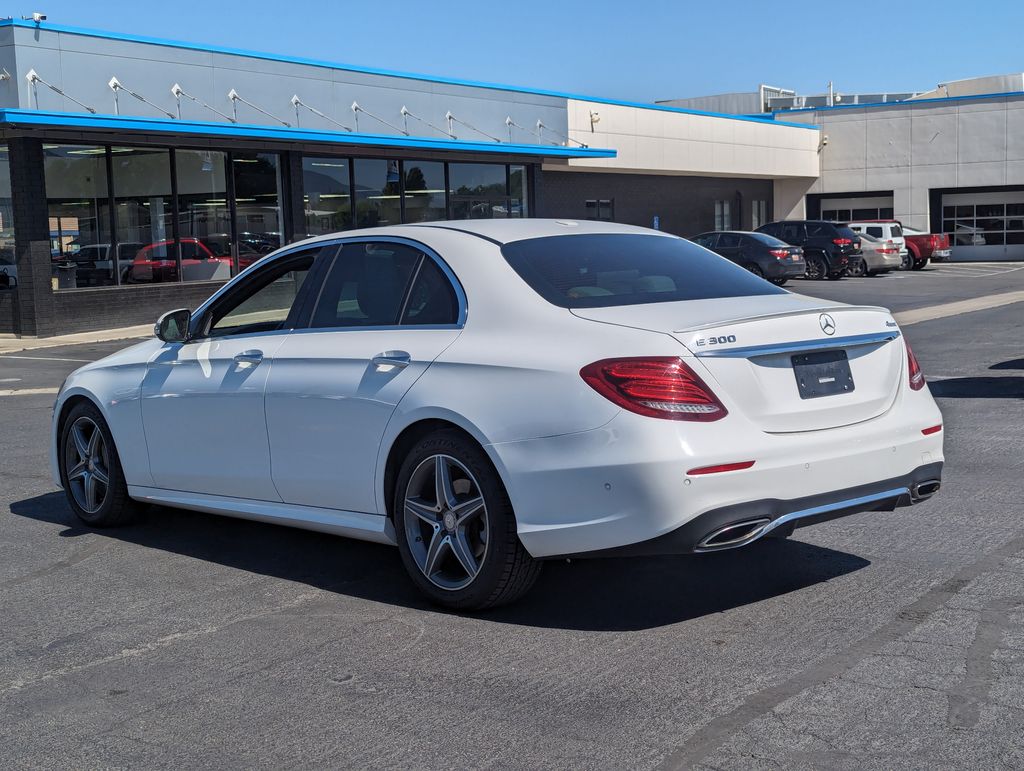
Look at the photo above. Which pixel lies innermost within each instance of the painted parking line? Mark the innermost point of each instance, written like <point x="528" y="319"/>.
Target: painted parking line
<point x="44" y="358"/>
<point x="27" y="391"/>
<point x="932" y="312"/>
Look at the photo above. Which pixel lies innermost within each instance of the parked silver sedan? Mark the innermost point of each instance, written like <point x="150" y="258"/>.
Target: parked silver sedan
<point x="876" y="256"/>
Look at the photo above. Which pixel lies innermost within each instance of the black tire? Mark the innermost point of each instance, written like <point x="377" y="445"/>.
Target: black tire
<point x="921" y="264"/>
<point x="817" y="268"/>
<point x="755" y="269"/>
<point x="859" y="269"/>
<point x="114" y="507"/>
<point x="907" y="261"/>
<point x="779" y="281"/>
<point x="505" y="572"/>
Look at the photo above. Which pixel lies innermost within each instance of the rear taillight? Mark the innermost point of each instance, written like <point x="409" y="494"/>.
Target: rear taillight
<point x="779" y="254"/>
<point x="658" y="387"/>
<point x="842" y="241"/>
<point x="914" y="370"/>
<point x="934" y="241"/>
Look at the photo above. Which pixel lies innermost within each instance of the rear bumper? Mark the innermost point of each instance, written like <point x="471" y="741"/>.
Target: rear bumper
<point x="785" y="269"/>
<point x="731" y="527"/>
<point x="876" y="261"/>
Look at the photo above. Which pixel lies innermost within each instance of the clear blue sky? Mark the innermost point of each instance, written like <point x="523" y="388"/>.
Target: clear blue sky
<point x="627" y="49"/>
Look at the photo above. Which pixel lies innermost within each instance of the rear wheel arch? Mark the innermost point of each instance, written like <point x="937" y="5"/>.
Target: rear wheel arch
<point x="408" y="438"/>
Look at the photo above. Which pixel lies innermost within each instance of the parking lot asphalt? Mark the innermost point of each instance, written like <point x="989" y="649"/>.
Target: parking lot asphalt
<point x="882" y="640"/>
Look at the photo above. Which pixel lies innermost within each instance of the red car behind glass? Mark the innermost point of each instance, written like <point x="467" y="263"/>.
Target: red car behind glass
<point x="154" y="263"/>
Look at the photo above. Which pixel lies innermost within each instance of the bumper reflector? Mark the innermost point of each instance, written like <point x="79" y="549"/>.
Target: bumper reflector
<point x="720" y="468"/>
<point x="931" y="429"/>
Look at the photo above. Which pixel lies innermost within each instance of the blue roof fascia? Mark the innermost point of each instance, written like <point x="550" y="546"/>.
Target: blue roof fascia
<point x="253" y="131"/>
<point x="904" y="103"/>
<point x="60" y="28"/>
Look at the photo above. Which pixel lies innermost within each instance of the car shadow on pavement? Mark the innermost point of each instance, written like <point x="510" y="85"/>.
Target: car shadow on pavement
<point x="990" y="387"/>
<point x="594" y="595"/>
<point x="1011" y="364"/>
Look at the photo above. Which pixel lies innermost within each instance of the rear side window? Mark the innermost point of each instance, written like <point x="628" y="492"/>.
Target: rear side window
<point x="766" y="239"/>
<point x="431" y="299"/>
<point x="897" y="231"/>
<point x="604" y="270"/>
<point x="818" y="229"/>
<point x="842" y="231"/>
<point x="366" y="285"/>
<point x="728" y="240"/>
<point x="792" y="232"/>
<point x="872" y="230"/>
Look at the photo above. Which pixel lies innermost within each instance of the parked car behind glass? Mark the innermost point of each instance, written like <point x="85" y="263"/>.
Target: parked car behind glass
<point x="829" y="247"/>
<point x="761" y="254"/>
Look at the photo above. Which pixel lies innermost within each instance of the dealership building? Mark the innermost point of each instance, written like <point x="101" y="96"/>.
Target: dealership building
<point x="138" y="174"/>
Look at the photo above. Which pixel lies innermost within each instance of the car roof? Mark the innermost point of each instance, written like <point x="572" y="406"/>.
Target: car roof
<point x="498" y="231"/>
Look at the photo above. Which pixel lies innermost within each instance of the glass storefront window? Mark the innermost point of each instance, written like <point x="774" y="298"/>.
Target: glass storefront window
<point x="204" y="216"/>
<point x="378" y="200"/>
<point x="143" y="214"/>
<point x="478" y="190"/>
<point x="424" y="191"/>
<point x="8" y="265"/>
<point x="328" y="200"/>
<point x="517" y="188"/>
<point x="79" y="213"/>
<point x="258" y="221"/>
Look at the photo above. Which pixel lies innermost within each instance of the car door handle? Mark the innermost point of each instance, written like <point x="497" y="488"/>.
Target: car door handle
<point x="251" y="358"/>
<point x="397" y="359"/>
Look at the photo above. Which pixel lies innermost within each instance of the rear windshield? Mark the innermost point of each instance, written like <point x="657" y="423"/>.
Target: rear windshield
<point x="608" y="269"/>
<point x="767" y="240"/>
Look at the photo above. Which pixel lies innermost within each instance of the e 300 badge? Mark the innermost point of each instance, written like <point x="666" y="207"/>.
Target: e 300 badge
<point x="717" y="340"/>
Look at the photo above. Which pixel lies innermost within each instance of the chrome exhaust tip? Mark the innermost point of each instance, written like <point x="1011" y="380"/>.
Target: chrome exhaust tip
<point x="733" y="536"/>
<point x="922" y="491"/>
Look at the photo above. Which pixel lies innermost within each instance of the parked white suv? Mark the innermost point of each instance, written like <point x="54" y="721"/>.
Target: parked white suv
<point x="886" y="230"/>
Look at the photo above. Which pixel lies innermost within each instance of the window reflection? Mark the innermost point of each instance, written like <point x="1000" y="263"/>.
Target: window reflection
<point x="480" y="191"/>
<point x="424" y="191"/>
<point x="143" y="212"/>
<point x="328" y="199"/>
<point x="79" y="214"/>
<point x="8" y="266"/>
<point x="257" y="205"/>
<point x="204" y="217"/>
<point x="378" y="201"/>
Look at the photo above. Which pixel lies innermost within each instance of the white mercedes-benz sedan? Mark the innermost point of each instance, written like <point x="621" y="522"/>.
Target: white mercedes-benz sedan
<point x="489" y="394"/>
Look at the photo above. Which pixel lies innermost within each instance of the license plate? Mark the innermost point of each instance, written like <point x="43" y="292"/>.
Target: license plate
<point x="822" y="373"/>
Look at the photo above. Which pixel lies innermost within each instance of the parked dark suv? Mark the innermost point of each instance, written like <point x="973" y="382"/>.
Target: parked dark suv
<point x="829" y="247"/>
<point x="761" y="254"/>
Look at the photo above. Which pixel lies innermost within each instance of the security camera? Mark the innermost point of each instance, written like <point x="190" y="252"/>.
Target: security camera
<point x="38" y="17"/>
<point x="824" y="140"/>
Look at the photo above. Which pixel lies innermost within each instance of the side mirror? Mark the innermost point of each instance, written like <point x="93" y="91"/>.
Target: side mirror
<point x="172" y="327"/>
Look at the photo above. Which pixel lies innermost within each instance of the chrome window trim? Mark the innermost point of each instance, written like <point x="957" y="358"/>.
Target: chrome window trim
<point x="460" y="294"/>
<point x="802" y="345"/>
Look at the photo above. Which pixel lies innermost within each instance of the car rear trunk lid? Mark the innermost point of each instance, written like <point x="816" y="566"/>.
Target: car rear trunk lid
<point x="786" y="362"/>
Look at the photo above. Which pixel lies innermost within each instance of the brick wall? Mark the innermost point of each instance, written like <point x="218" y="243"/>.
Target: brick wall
<point x="86" y="310"/>
<point x="685" y="205"/>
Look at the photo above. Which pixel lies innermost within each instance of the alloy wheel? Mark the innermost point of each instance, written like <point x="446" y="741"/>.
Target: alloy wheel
<point x="445" y="520"/>
<point x="87" y="464"/>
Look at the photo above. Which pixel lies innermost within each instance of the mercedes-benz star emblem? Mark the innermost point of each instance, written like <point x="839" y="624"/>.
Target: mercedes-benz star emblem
<point x="827" y="323"/>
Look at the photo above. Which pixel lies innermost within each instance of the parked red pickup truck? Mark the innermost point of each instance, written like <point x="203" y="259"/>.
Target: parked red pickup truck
<point x="926" y="246"/>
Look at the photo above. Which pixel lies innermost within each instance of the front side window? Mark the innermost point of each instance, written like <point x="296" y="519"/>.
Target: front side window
<point x="603" y="270"/>
<point x="266" y="299"/>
